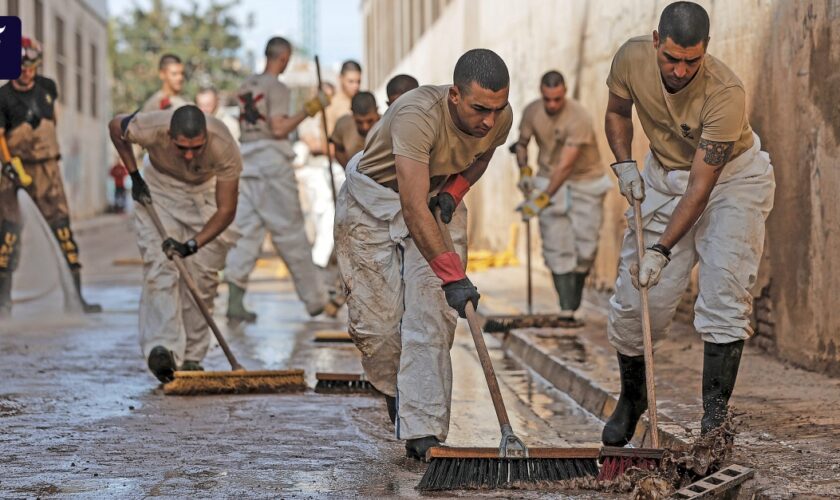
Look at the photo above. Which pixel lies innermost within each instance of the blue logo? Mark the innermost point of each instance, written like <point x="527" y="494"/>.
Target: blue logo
<point x="10" y="54"/>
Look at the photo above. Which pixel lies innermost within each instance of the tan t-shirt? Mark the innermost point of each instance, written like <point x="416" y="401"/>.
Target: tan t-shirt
<point x="339" y="106"/>
<point x="572" y="126"/>
<point x="712" y="106"/>
<point x="219" y="158"/>
<point x="158" y="102"/>
<point x="419" y="126"/>
<point x="347" y="136"/>
<point x="261" y="97"/>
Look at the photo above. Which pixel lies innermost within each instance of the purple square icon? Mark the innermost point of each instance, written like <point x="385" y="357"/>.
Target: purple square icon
<point x="10" y="55"/>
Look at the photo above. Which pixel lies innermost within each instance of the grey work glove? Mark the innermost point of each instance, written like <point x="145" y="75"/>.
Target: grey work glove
<point x="648" y="273"/>
<point x="139" y="189"/>
<point x="629" y="181"/>
<point x="458" y="293"/>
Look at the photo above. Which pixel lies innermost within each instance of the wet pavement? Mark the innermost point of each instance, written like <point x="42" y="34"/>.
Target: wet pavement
<point x="81" y="415"/>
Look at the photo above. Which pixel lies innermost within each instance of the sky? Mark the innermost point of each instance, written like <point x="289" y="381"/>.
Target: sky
<point x="340" y="24"/>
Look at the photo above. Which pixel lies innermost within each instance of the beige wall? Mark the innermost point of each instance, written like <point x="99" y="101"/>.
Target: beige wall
<point x="787" y="52"/>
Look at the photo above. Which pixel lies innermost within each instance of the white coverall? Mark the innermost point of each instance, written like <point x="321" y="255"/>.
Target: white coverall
<point x="168" y="315"/>
<point x="399" y="318"/>
<point x="727" y="240"/>
<point x="269" y="201"/>
<point x="570" y="226"/>
<point x="315" y="183"/>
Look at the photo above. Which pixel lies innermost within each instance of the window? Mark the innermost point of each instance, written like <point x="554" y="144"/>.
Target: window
<point x="39" y="21"/>
<point x="80" y="87"/>
<point x="13" y="7"/>
<point x="94" y="76"/>
<point x="60" y="58"/>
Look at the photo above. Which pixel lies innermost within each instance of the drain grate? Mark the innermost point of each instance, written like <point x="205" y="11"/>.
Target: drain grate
<point x="710" y="487"/>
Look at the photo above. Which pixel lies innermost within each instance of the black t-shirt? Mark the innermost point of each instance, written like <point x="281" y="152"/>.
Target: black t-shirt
<point x="31" y="106"/>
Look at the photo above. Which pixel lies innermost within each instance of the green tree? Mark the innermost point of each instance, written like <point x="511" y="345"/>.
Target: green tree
<point x="205" y="38"/>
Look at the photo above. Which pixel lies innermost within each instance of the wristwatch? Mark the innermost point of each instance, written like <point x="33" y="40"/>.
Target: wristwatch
<point x="192" y="245"/>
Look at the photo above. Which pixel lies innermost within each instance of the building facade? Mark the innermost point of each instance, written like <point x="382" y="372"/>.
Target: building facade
<point x="782" y="51"/>
<point x="74" y="35"/>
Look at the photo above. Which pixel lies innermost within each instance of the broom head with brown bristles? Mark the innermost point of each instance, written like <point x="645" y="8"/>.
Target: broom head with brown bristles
<point x="343" y="383"/>
<point x="483" y="468"/>
<point x="615" y="461"/>
<point x="188" y="383"/>
<point x="506" y="323"/>
<point x="332" y="336"/>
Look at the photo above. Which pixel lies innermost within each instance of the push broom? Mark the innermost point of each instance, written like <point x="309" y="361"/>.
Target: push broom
<point x="505" y="323"/>
<point x="616" y="460"/>
<point x="237" y="381"/>
<point x="512" y="462"/>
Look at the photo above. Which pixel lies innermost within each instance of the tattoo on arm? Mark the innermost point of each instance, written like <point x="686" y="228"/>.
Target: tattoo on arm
<point x="717" y="153"/>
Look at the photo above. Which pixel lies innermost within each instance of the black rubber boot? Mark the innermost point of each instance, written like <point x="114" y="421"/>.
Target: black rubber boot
<point x="416" y="448"/>
<point x="236" y="308"/>
<point x="720" y="369"/>
<point x="580" y="281"/>
<point x="5" y="294"/>
<point x="162" y="364"/>
<point x="565" y="286"/>
<point x="391" y="403"/>
<point x="77" y="280"/>
<point x="631" y="404"/>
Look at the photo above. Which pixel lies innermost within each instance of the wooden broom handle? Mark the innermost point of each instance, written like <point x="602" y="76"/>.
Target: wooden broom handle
<point x="647" y="335"/>
<point x="196" y="295"/>
<point x="478" y="339"/>
<point x="326" y="136"/>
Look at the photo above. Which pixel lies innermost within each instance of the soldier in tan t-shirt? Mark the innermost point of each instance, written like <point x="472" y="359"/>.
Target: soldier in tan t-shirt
<point x="193" y="177"/>
<point x="268" y="194"/>
<point x="171" y="74"/>
<point x="704" y="196"/>
<point x="351" y="130"/>
<point x="404" y="286"/>
<point x="568" y="191"/>
<point x="349" y="81"/>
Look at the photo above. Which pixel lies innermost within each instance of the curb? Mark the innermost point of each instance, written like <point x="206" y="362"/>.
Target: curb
<point x="590" y="396"/>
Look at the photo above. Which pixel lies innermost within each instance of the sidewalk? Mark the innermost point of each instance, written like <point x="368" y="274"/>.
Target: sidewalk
<point x="789" y="419"/>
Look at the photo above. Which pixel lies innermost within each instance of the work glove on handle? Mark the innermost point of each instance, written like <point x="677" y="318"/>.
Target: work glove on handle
<point x="526" y="180"/>
<point x="533" y="206"/>
<point x="139" y="189"/>
<point x="629" y="181"/>
<point x="647" y="273"/>
<point x="318" y="103"/>
<point x="449" y="197"/>
<point x="172" y="246"/>
<point x="456" y="286"/>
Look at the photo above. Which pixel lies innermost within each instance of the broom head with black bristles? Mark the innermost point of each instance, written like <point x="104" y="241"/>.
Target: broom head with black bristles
<point x="189" y="383"/>
<point x="506" y="323"/>
<point x="343" y="383"/>
<point x="484" y="468"/>
<point x="615" y="461"/>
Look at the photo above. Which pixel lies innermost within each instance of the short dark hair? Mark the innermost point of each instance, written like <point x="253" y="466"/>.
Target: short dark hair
<point x="483" y="67"/>
<point x="363" y="103"/>
<point x="350" y="65"/>
<point x="277" y="46"/>
<point x="167" y="59"/>
<point x="208" y="90"/>
<point x="401" y="84"/>
<point x="686" y="23"/>
<point x="553" y="79"/>
<point x="187" y="121"/>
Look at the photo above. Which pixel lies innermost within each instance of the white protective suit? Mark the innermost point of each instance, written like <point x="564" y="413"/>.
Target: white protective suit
<point x="398" y="313"/>
<point x="269" y="201"/>
<point x="570" y="226"/>
<point x="315" y="183"/>
<point x="168" y="314"/>
<point x="728" y="240"/>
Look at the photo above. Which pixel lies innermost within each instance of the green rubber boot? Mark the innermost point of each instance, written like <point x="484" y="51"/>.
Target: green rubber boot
<point x="236" y="309"/>
<point x="5" y="294"/>
<point x="192" y="366"/>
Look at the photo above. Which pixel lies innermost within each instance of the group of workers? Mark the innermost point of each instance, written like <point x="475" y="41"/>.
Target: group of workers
<point x="705" y="193"/>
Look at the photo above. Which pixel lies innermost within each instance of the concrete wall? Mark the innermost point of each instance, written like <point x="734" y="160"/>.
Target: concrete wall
<point x="84" y="110"/>
<point x="787" y="52"/>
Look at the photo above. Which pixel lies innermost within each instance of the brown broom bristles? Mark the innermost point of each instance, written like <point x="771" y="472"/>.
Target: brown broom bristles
<point x="235" y="382"/>
<point x="503" y="324"/>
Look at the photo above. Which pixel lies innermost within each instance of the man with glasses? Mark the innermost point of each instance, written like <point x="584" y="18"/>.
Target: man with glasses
<point x="194" y="181"/>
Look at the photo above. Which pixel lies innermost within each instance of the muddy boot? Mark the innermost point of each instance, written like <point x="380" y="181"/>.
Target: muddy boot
<point x="236" y="309"/>
<point x="192" y="366"/>
<point x="162" y="364"/>
<point x="720" y="369"/>
<point x="631" y="404"/>
<point x="416" y="448"/>
<point x="5" y="294"/>
<point x="391" y="403"/>
<point x="88" y="307"/>
<point x="566" y="286"/>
